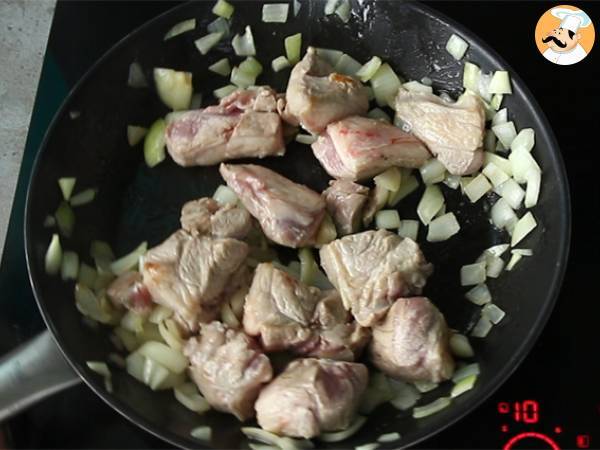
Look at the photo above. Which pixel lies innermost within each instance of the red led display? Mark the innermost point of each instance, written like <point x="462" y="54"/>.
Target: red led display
<point x="583" y="441"/>
<point x="527" y="411"/>
<point x="530" y="435"/>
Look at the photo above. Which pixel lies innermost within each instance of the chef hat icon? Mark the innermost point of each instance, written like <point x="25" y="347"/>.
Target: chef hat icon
<point x="571" y="19"/>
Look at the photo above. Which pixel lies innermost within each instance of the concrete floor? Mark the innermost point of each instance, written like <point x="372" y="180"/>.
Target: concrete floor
<point x="24" y="28"/>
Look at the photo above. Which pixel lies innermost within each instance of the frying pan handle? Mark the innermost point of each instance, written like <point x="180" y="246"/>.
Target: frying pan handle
<point x="32" y="372"/>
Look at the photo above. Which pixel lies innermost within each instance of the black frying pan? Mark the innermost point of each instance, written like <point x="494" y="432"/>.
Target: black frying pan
<point x="136" y="203"/>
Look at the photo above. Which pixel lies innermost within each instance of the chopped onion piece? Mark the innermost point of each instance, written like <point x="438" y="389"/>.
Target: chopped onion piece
<point x="293" y="47"/>
<point x="203" y="433"/>
<point x="54" y="256"/>
<point x="66" y="185"/>
<point x="154" y="143"/>
<point x="472" y="274"/>
<point x="500" y="83"/>
<point x="174" y="88"/>
<point x="460" y="346"/>
<point x="369" y="446"/>
<point x="219" y="25"/>
<point x="366" y="72"/>
<point x="415" y="86"/>
<point x="496" y="101"/>
<point x="477" y="188"/>
<point x="483" y="87"/>
<point x="482" y="327"/>
<point x="343" y="11"/>
<point x="129" y="261"/>
<point x="471" y="76"/>
<point x="65" y="219"/>
<point x="327" y="231"/>
<point x="425" y="386"/>
<point x="511" y="192"/>
<point x="243" y="45"/>
<point x="443" y="228"/>
<point x="390" y="179"/>
<point x="503" y="215"/>
<point x="135" y="134"/>
<point x="164" y="355"/>
<point x="347" y="65"/>
<point x="457" y="47"/>
<point x="493" y="313"/>
<point x="522" y="162"/>
<point x="389" y="437"/>
<point x="241" y="79"/>
<point x="136" y="77"/>
<point x="331" y="6"/>
<point x="494" y="266"/>
<point x="224" y="195"/>
<point x="187" y="394"/>
<point x="409" y="229"/>
<point x="514" y="259"/>
<point x="221" y="67"/>
<point x="464" y="385"/>
<point x="525" y="140"/>
<point x="408" y="185"/>
<point x="297" y="6"/>
<point x="86" y="275"/>
<point x="505" y="132"/>
<point x="133" y="322"/>
<point x="99" y="367"/>
<point x="385" y="84"/>
<point x="378" y="113"/>
<point x="159" y="313"/>
<point x="181" y="27"/>
<point x="69" y="266"/>
<point x="284" y="443"/>
<point x="387" y="219"/>
<point x="500" y="117"/>
<point x="497" y="250"/>
<point x="83" y="198"/>
<point x="338" y="436"/>
<point x="496" y="175"/>
<point x="405" y="395"/>
<point x="532" y="193"/>
<point x="479" y="295"/>
<point x="207" y="42"/>
<point x="452" y="181"/>
<point x="306" y="139"/>
<point x="429" y="205"/>
<point x="90" y="306"/>
<point x="275" y="12"/>
<point x="431" y="408"/>
<point x="522" y="228"/>
<point x="308" y="266"/>
<point x="223" y="9"/>
<point x="224" y="91"/>
<point x="433" y="171"/>
<point x="522" y="251"/>
<point x="330" y="55"/>
<point x="280" y="63"/>
<point x="251" y="66"/>
<point x="502" y="163"/>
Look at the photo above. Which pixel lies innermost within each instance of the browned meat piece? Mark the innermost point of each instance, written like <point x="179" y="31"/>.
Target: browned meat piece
<point x="229" y="369"/>
<point x="356" y="148"/>
<point x="372" y="269"/>
<point x="289" y="213"/>
<point x="289" y="315"/>
<point x="345" y="201"/>
<point x="206" y="216"/>
<point x="312" y="396"/>
<point x="452" y="131"/>
<point x="411" y="343"/>
<point x="316" y="96"/>
<point x="244" y="124"/>
<point x="129" y="291"/>
<point x="190" y="274"/>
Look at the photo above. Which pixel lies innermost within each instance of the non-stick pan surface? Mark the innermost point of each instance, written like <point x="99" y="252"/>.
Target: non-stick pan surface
<point x="136" y="203"/>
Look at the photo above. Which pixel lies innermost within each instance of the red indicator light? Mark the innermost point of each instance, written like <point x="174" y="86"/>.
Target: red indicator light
<point x="530" y="435"/>
<point x="531" y="411"/>
<point x="503" y="408"/>
<point x="504" y="428"/>
<point x="557" y="430"/>
<point x="583" y="441"/>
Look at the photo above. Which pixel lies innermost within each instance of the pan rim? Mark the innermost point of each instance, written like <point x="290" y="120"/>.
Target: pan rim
<point x="458" y="411"/>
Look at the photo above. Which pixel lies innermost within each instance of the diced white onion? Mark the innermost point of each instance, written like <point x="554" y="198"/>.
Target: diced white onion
<point x="431" y="408"/>
<point x="187" y="394"/>
<point x="532" y="193"/>
<point x="390" y="179"/>
<point x="90" y="306"/>
<point x="493" y="313"/>
<point x="65" y="219"/>
<point x="522" y="162"/>
<point x="99" y="367"/>
<point x="389" y="437"/>
<point x="203" y="433"/>
<point x="408" y="185"/>
<point x="494" y="266"/>
<point x="129" y="261"/>
<point x="522" y="251"/>
<point x="66" y="185"/>
<point x="479" y="295"/>
<point x="161" y="353"/>
<point x="387" y="219"/>
<point x="369" y="446"/>
<point x="133" y="322"/>
<point x="224" y="195"/>
<point x="221" y="67"/>
<point x="86" y="275"/>
<point x="385" y="84"/>
<point x="425" y="386"/>
<point x="429" y="205"/>
<point x="174" y="88"/>
<point x="338" y="436"/>
<point x="378" y="113"/>
<point x="472" y="274"/>
<point x="452" y="181"/>
<point x="260" y="435"/>
<point x="496" y="175"/>
<point x="181" y="27"/>
<point x="500" y="117"/>
<point x="219" y="25"/>
<point x="460" y="346"/>
<point x="223" y="9"/>
<point x="207" y="42"/>
<point x="457" y="47"/>
<point x="243" y="45"/>
<point x="464" y="385"/>
<point x="500" y="83"/>
<point x="159" y="313"/>
<point x="54" y="256"/>
<point x="514" y="259"/>
<point x="471" y="74"/>
<point x="347" y="65"/>
<point x="306" y="139"/>
<point x="170" y="334"/>
<point x="522" y="228"/>
<point x="293" y="47"/>
<point x="326" y="232"/>
<point x="135" y="134"/>
<point x="443" y="228"/>
<point x="502" y="163"/>
<point x="330" y="6"/>
<point x="484" y="88"/>
<point x="127" y="338"/>
<point x="275" y="12"/>
<point x="136" y="78"/>
<point x="505" y="132"/>
<point x="415" y="86"/>
<point x="409" y="229"/>
<point x="224" y="91"/>
<point x="511" y="192"/>
<point x="241" y="79"/>
<point x="405" y="395"/>
<point x="297" y="6"/>
<point x="465" y="371"/>
<point x="496" y="101"/>
<point x="330" y="55"/>
<point x="477" y="188"/>
<point x="503" y="216"/>
<point x="69" y="266"/>
<point x="343" y="11"/>
<point x="433" y="171"/>
<point x="308" y="266"/>
<point x="366" y="72"/>
<point x="482" y="327"/>
<point x="280" y="63"/>
<point x="525" y="140"/>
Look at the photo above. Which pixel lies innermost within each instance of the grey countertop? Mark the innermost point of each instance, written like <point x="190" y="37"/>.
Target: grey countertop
<point x="24" y="29"/>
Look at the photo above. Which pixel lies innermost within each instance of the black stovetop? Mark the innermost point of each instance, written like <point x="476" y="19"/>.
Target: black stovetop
<point x="562" y="372"/>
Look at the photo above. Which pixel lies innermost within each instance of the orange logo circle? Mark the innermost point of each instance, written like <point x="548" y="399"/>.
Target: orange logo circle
<point x="565" y="35"/>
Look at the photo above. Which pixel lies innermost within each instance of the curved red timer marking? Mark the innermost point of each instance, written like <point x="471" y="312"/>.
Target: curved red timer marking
<point x="530" y="434"/>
